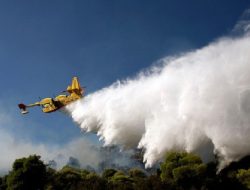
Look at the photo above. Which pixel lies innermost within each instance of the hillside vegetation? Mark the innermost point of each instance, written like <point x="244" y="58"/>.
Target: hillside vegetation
<point x="179" y="171"/>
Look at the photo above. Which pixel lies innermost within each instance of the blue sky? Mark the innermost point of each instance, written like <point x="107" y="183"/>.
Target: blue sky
<point x="44" y="43"/>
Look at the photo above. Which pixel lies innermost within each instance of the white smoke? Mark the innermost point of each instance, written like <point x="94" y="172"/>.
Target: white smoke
<point x="196" y="102"/>
<point x="12" y="149"/>
<point x="78" y="152"/>
<point x="15" y="146"/>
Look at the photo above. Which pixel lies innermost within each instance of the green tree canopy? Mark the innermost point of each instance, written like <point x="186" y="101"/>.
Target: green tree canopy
<point x="27" y="173"/>
<point x="184" y="170"/>
<point x="108" y="173"/>
<point x="67" y="178"/>
<point x="136" y="173"/>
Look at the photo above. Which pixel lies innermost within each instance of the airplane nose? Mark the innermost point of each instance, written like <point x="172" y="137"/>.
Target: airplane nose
<point x="21" y="106"/>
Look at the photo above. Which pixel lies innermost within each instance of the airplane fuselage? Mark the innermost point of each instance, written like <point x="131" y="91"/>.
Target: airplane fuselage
<point x="49" y="105"/>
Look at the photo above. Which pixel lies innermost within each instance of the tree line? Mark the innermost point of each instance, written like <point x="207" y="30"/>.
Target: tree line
<point x="179" y="171"/>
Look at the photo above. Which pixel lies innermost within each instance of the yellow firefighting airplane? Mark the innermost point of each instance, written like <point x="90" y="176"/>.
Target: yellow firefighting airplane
<point x="52" y="104"/>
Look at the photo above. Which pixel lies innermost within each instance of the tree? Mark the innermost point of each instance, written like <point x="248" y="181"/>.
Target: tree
<point x="183" y="170"/>
<point x="27" y="173"/>
<point x="235" y="175"/>
<point x="139" y="179"/>
<point x="137" y="173"/>
<point x="244" y="177"/>
<point x="120" y="181"/>
<point x="154" y="182"/>
<point x="67" y="178"/>
<point x="108" y="173"/>
<point x="3" y="182"/>
<point x="50" y="176"/>
<point x="94" y="182"/>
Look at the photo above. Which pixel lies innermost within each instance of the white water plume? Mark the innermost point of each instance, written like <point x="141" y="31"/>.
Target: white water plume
<point x="196" y="102"/>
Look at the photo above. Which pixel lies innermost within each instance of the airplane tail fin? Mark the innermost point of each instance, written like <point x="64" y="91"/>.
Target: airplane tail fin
<point x="75" y="87"/>
<point x="23" y="109"/>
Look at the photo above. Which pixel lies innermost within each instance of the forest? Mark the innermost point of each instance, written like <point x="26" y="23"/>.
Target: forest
<point x="178" y="171"/>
